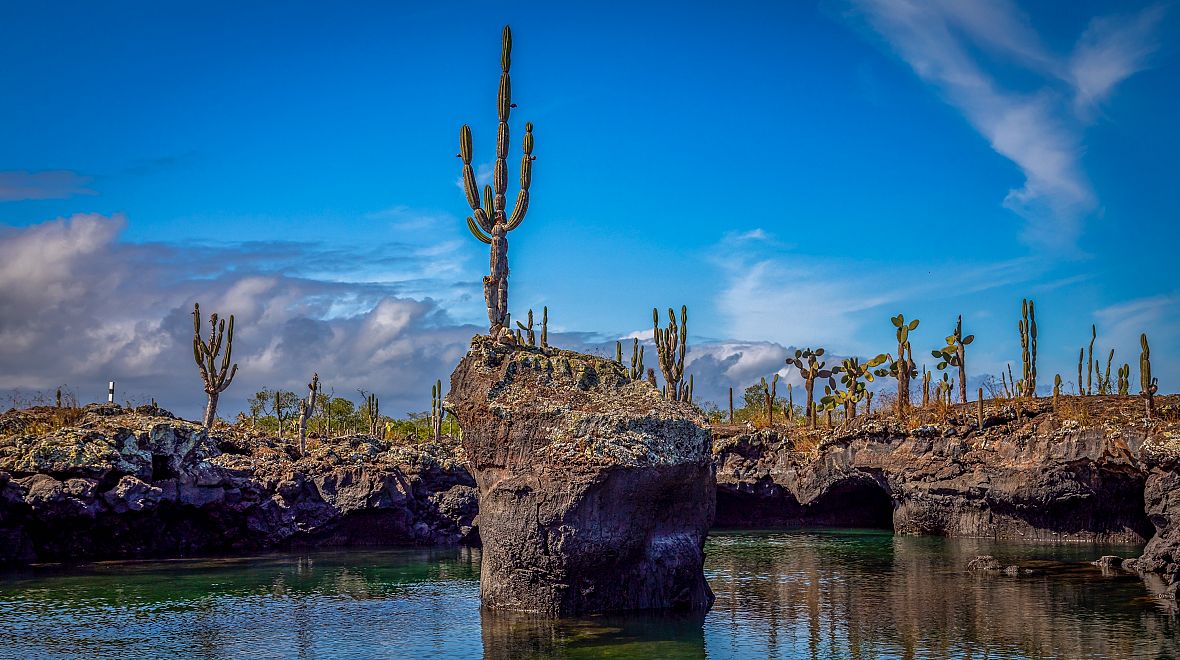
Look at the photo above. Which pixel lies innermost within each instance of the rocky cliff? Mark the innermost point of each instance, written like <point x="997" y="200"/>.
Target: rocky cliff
<point x="110" y="482"/>
<point x="595" y="492"/>
<point x="1092" y="471"/>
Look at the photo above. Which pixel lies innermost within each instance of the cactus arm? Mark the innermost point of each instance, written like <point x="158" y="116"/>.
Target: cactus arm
<point x="477" y="233"/>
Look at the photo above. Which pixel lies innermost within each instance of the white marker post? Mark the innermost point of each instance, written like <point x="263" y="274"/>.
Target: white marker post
<point x="111" y="392"/>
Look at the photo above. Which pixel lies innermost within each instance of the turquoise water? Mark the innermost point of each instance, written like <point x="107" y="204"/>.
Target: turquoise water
<point x="783" y="594"/>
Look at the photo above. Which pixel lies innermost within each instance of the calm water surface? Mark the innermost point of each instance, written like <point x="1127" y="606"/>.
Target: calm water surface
<point x="796" y="594"/>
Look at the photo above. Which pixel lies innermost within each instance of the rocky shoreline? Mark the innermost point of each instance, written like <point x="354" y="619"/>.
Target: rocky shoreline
<point x="1090" y="472"/>
<point x="118" y="483"/>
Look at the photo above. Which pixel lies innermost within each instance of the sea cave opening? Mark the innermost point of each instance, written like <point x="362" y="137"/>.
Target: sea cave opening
<point x="853" y="504"/>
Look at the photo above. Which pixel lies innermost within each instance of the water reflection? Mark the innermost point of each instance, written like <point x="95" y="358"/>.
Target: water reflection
<point x="635" y="635"/>
<point x="797" y="594"/>
<point x="844" y="595"/>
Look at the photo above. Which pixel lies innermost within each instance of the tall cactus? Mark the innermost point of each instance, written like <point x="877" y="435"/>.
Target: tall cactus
<point x="306" y="409"/>
<point x="1105" y="385"/>
<point x="436" y="410"/>
<point x="810" y="368"/>
<point x="955" y="355"/>
<point x="545" y="327"/>
<point x="215" y="377"/>
<point x="490" y="222"/>
<point x="770" y="393"/>
<point x="1148" y="386"/>
<point x="1081" y="356"/>
<point x="1028" y="347"/>
<point x="671" y="344"/>
<point x="1090" y="360"/>
<point x="373" y="412"/>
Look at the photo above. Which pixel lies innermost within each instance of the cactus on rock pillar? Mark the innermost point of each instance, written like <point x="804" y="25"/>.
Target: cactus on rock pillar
<point x="671" y="344"/>
<point x="216" y="378"/>
<point x="528" y="329"/>
<point x="490" y="222"/>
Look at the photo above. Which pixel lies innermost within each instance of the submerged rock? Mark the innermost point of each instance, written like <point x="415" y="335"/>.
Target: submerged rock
<point x="595" y="492"/>
<point x="983" y="563"/>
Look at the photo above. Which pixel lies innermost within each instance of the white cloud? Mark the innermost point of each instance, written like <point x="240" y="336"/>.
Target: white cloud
<point x="79" y="307"/>
<point x="945" y="42"/>
<point x="1109" y="51"/>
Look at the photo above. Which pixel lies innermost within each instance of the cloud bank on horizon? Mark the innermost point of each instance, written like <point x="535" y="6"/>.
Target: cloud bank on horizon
<point x="944" y="165"/>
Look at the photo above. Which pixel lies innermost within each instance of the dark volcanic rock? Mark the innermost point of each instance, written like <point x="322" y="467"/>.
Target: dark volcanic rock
<point x="118" y="483"/>
<point x="1091" y="472"/>
<point x="1162" y="500"/>
<point x="595" y="493"/>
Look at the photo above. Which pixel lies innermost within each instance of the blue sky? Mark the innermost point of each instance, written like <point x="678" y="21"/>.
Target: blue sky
<point x="796" y="174"/>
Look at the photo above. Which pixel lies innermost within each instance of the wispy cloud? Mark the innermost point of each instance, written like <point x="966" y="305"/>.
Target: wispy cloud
<point x="1110" y="51"/>
<point x="799" y="300"/>
<point x="50" y="184"/>
<point x="1041" y="131"/>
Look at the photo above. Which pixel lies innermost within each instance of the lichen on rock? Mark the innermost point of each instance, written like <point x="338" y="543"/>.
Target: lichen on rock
<point x="596" y="493"/>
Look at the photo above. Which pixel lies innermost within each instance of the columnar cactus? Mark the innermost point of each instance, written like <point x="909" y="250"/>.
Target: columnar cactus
<point x="810" y="368"/>
<point x="955" y="354"/>
<point x="1148" y="386"/>
<point x="979" y="409"/>
<point x="1125" y="380"/>
<point x="545" y="327"/>
<point x="770" y="393"/>
<point x="1090" y="360"/>
<point x="925" y="387"/>
<point x="528" y="329"/>
<point x="671" y="344"/>
<point x="306" y="409"/>
<point x="490" y="222"/>
<point x="436" y="410"/>
<point x="1056" y="390"/>
<point x="790" y="402"/>
<point x="1028" y="347"/>
<point x="215" y="377"/>
<point x="1081" y="355"/>
<point x="373" y="413"/>
<point x="1105" y="386"/>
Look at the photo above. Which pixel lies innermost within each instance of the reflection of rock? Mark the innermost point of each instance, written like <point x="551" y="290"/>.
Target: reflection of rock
<point x="596" y="493"/>
<point x="511" y="635"/>
<point x="873" y="596"/>
<point x="118" y="483"/>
